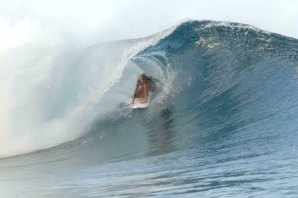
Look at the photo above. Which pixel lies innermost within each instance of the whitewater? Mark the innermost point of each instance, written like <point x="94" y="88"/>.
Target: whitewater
<point x="222" y="123"/>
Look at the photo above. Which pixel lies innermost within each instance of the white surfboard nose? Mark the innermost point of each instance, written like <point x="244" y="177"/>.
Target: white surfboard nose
<point x="140" y="103"/>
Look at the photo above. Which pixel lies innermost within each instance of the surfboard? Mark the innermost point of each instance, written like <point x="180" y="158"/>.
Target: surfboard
<point x="140" y="103"/>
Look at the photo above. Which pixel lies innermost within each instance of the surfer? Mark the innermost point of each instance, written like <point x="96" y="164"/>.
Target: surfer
<point x="144" y="85"/>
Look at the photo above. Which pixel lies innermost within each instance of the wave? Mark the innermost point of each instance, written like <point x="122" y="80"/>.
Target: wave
<point x="51" y="94"/>
<point x="216" y="79"/>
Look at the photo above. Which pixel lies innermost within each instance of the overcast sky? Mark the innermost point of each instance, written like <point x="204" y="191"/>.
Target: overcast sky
<point x="92" y="21"/>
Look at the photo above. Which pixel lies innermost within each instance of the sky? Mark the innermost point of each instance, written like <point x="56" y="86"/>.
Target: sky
<point x="86" y="22"/>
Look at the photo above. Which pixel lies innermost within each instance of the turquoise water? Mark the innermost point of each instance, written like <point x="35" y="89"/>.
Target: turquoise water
<point x="223" y="123"/>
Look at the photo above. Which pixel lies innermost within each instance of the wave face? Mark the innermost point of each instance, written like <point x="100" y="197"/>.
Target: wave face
<point x="51" y="95"/>
<point x="223" y="122"/>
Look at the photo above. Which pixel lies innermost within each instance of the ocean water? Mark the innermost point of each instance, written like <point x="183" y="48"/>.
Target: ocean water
<point x="223" y="121"/>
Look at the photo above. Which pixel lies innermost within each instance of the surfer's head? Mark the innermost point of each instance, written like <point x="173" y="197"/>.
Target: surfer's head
<point x="142" y="78"/>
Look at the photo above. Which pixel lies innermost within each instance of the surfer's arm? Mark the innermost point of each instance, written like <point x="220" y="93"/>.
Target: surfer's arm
<point x="135" y="93"/>
<point x="146" y="91"/>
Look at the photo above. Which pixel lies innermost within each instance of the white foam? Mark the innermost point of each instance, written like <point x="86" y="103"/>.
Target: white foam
<point x="36" y="83"/>
<point x="234" y="25"/>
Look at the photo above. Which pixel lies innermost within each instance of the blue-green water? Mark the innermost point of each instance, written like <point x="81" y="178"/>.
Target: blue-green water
<point x="223" y="122"/>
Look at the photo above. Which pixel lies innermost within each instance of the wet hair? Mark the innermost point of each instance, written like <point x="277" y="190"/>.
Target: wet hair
<point x="143" y="75"/>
